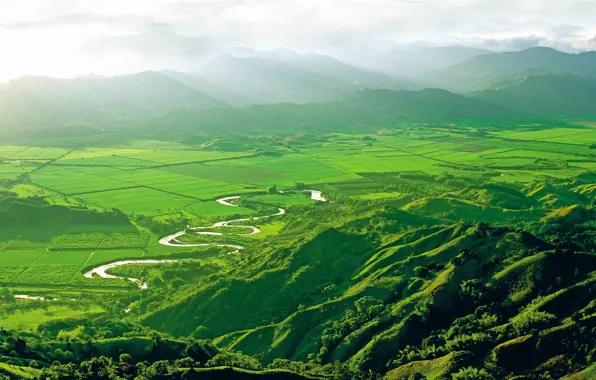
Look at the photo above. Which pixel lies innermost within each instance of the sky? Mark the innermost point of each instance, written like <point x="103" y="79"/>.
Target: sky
<point x="66" y="38"/>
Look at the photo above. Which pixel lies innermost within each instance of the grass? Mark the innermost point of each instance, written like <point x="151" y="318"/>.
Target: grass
<point x="101" y="257"/>
<point x="19" y="372"/>
<point x="139" y="200"/>
<point x="268" y="230"/>
<point x="430" y="369"/>
<point x="211" y="208"/>
<point x="287" y="200"/>
<point x="143" y="177"/>
<point x="161" y="178"/>
<point x="29" y="319"/>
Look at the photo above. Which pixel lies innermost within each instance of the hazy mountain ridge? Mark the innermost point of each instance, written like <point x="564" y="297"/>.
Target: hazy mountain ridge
<point x="527" y="85"/>
<point x="483" y="69"/>
<point x="39" y="102"/>
<point x="303" y="79"/>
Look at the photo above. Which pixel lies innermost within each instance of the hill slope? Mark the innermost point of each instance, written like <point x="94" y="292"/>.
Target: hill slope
<point x="484" y="69"/>
<point x="303" y="79"/>
<point x="367" y="108"/>
<point x="557" y="94"/>
<point x="458" y="290"/>
<point x="39" y="102"/>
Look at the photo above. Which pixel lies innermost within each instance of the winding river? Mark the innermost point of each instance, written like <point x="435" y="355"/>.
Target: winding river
<point x="173" y="240"/>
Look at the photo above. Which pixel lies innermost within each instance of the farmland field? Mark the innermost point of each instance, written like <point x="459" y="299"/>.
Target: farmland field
<point x="146" y="180"/>
<point x="95" y="206"/>
<point x="29" y="320"/>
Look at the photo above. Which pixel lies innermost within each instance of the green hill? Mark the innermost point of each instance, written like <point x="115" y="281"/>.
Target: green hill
<point x="339" y="296"/>
<point x="36" y="102"/>
<point x="364" y="110"/>
<point x="556" y="95"/>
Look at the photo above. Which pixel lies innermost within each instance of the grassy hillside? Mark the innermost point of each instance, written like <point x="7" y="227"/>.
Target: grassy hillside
<point x="450" y="295"/>
<point x="556" y="95"/>
<point x="445" y="249"/>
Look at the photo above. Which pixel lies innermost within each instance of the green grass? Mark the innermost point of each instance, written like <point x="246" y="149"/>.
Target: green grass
<point x="287" y="200"/>
<point x="141" y="157"/>
<point x="39" y="153"/>
<point x="430" y="369"/>
<point x="158" y="177"/>
<point x="30" y="319"/>
<point x="132" y="184"/>
<point x="19" y="372"/>
<point x="102" y="257"/>
<point x="212" y="208"/>
<point x="54" y="267"/>
<point x="380" y="195"/>
<point x="138" y="200"/>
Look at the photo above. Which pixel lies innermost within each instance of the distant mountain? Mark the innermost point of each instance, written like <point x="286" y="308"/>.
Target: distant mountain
<point x="279" y="54"/>
<point x="206" y="85"/>
<point x="401" y="60"/>
<point x="484" y="69"/>
<point x="39" y="101"/>
<point x="366" y="109"/>
<point x="417" y="60"/>
<point x="555" y="95"/>
<point x="305" y="79"/>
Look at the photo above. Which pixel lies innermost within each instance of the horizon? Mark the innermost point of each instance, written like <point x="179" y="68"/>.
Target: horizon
<point x="256" y="55"/>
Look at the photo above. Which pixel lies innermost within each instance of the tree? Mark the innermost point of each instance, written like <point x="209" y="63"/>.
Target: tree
<point x="6" y="296"/>
<point x="125" y="359"/>
<point x="472" y="373"/>
<point x="272" y="189"/>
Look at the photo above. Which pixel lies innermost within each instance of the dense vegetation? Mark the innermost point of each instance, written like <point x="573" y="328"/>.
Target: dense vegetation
<point x="454" y="237"/>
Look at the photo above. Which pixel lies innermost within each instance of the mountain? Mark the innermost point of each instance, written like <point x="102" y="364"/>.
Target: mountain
<point x="333" y="294"/>
<point x="402" y="60"/>
<point x="416" y="60"/>
<point x="308" y="78"/>
<point x="279" y="54"/>
<point x="556" y="95"/>
<point x="366" y="109"/>
<point x="39" y="101"/>
<point x="483" y="69"/>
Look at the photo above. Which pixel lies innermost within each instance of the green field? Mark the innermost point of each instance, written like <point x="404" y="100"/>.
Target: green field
<point x="29" y="320"/>
<point x="142" y="179"/>
<point x="100" y="205"/>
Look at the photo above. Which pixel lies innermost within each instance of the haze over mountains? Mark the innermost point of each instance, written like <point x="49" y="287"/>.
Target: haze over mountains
<point x="533" y="83"/>
<point x="484" y="69"/>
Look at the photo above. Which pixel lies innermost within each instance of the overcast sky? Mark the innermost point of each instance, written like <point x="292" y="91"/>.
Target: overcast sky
<point x="74" y="37"/>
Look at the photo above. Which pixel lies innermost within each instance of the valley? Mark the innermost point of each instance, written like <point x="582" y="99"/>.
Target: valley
<point x="360" y="208"/>
<point x="413" y="230"/>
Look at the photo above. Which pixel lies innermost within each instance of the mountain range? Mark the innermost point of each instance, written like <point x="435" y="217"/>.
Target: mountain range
<point x="44" y="102"/>
<point x="533" y="84"/>
<point x="482" y="70"/>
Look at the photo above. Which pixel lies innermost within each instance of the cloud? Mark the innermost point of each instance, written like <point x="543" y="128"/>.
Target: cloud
<point x="69" y="27"/>
<point x="510" y="43"/>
